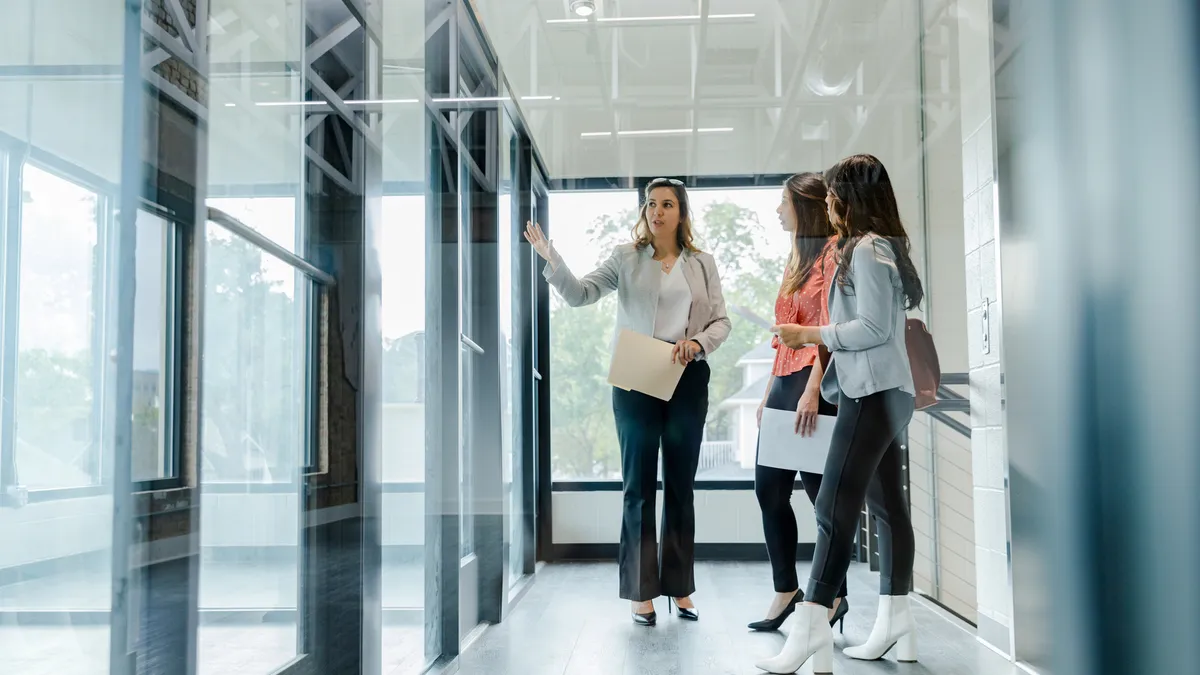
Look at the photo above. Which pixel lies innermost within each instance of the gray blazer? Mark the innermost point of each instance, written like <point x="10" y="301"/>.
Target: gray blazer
<point x="636" y="277"/>
<point x="866" y="326"/>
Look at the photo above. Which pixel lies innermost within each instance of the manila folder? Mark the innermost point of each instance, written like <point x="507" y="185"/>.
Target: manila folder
<point x="642" y="363"/>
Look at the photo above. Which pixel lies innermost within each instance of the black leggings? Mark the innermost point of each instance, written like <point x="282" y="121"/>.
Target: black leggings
<point x="773" y="487"/>
<point x="866" y="463"/>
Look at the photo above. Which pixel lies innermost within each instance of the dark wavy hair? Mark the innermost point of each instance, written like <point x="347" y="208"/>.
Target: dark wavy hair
<point x="864" y="203"/>
<point x="807" y="194"/>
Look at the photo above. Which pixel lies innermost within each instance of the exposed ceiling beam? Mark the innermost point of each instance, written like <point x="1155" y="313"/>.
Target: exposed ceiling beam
<point x="182" y="25"/>
<point x="368" y="21"/>
<point x="331" y="39"/>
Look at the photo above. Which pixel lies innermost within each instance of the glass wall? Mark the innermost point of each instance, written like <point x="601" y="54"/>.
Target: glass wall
<point x="410" y="589"/>
<point x="254" y="415"/>
<point x="60" y="178"/>
<point x="256" y="370"/>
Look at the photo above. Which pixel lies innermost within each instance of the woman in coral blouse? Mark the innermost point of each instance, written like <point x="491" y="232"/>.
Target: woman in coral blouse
<point x="796" y="383"/>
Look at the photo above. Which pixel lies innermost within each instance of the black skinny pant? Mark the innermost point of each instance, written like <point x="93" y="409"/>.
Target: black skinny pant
<point x="773" y="487"/>
<point x="644" y="424"/>
<point x="865" y="464"/>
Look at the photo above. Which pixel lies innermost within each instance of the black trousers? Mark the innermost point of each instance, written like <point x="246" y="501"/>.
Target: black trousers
<point x="644" y="424"/>
<point x="865" y="463"/>
<point x="773" y="487"/>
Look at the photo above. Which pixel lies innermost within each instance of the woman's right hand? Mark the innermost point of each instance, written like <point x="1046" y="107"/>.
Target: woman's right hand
<point x="760" y="409"/>
<point x="537" y="239"/>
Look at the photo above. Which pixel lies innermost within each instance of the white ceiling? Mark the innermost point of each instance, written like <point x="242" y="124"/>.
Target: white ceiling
<point x="795" y="86"/>
<point x="773" y="86"/>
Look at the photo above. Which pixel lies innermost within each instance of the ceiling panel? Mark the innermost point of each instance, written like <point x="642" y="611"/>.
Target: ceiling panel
<point x="760" y="86"/>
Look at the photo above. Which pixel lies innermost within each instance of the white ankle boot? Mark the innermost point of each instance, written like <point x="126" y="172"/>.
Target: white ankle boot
<point x="894" y="627"/>
<point x="811" y="638"/>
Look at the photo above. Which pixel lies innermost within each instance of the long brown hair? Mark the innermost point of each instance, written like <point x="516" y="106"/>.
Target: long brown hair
<point x="806" y="191"/>
<point x="866" y="204"/>
<point x="642" y="236"/>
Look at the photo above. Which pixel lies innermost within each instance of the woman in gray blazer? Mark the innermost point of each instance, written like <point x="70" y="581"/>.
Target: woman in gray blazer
<point x="668" y="289"/>
<point x="870" y="378"/>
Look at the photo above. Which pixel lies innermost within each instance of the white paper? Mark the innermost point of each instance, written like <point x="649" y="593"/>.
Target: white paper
<point x="779" y="445"/>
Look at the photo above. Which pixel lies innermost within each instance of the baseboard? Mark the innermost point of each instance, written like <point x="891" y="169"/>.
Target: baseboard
<point x="994" y="633"/>
<point x="704" y="552"/>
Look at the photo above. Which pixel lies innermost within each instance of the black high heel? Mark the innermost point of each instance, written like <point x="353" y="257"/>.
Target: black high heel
<point x="839" y="616"/>
<point x="685" y="613"/>
<point x="648" y="619"/>
<point x="767" y="625"/>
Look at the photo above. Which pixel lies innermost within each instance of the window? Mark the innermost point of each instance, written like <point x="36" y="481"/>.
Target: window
<point x="402" y="261"/>
<point x="58" y="414"/>
<point x="155" y="368"/>
<point x="254" y="364"/>
<point x="740" y="228"/>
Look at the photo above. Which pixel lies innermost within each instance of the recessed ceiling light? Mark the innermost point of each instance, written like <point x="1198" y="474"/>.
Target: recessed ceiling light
<point x="673" y="18"/>
<point x="584" y="8"/>
<point x="657" y="132"/>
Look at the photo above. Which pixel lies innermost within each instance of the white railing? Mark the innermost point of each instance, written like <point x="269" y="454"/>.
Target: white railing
<point x="717" y="453"/>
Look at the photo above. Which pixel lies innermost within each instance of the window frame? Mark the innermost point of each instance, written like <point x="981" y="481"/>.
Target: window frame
<point x="12" y="166"/>
<point x="14" y="227"/>
<point x="173" y="403"/>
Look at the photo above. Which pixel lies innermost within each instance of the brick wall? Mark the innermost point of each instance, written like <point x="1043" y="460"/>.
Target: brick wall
<point x="173" y="70"/>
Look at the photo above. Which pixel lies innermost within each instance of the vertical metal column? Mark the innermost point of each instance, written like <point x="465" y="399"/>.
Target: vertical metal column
<point x="442" y="536"/>
<point x="121" y="656"/>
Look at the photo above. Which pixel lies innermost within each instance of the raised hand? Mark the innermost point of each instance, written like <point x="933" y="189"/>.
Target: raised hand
<point x="537" y="239"/>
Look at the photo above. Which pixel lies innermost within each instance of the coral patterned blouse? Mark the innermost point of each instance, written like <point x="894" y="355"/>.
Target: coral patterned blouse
<point x="808" y="306"/>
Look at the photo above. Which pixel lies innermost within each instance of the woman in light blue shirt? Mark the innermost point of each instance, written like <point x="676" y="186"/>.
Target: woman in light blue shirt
<point x="870" y="379"/>
<point x="668" y="289"/>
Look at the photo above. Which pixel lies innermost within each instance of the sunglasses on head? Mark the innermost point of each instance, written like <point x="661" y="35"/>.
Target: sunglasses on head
<point x="672" y="181"/>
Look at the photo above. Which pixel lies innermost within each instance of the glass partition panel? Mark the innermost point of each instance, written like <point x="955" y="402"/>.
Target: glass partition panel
<point x="509" y="323"/>
<point x="60" y="171"/>
<point x="253" y="452"/>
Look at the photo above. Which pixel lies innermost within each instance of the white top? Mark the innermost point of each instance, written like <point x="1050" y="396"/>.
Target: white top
<point x="674" y="306"/>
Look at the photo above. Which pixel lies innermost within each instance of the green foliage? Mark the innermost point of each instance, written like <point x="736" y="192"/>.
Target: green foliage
<point x="583" y="432"/>
<point x="54" y="402"/>
<point x="252" y="373"/>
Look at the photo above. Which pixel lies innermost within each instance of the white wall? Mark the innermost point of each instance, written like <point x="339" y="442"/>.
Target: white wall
<point x="55" y="529"/>
<point x="987" y="423"/>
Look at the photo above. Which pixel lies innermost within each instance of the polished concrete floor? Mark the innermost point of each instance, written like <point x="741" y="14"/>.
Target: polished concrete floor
<point x="572" y="623"/>
<point x="221" y="650"/>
